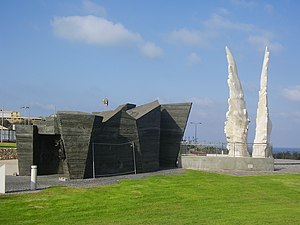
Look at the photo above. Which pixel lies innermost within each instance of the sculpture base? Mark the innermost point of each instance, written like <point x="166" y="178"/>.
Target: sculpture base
<point x="223" y="162"/>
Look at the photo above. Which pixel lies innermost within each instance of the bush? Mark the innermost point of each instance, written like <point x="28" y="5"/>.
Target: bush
<point x="287" y="155"/>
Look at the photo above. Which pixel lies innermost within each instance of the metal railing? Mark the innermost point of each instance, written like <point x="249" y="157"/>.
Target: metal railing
<point x="221" y="149"/>
<point x="8" y="135"/>
<point x="110" y="159"/>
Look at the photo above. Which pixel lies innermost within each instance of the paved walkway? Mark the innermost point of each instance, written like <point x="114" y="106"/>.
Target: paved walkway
<point x="21" y="184"/>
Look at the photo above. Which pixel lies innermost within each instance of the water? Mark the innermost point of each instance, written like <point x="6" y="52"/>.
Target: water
<point x="285" y="149"/>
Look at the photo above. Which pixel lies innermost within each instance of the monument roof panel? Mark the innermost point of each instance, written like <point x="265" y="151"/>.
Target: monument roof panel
<point x="73" y="112"/>
<point x="142" y="110"/>
<point x="109" y="114"/>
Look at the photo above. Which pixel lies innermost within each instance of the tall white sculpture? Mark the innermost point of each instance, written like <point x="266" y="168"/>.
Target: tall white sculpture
<point x="261" y="146"/>
<point x="236" y="125"/>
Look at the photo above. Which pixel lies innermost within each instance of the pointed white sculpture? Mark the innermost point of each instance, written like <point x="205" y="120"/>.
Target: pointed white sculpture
<point x="261" y="148"/>
<point x="236" y="126"/>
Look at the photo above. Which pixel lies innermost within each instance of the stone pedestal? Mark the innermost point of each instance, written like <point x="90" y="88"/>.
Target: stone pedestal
<point x="2" y="179"/>
<point x="226" y="163"/>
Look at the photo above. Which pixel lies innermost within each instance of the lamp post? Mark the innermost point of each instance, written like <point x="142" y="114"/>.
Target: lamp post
<point x="26" y="107"/>
<point x="2" y="123"/>
<point x="196" y="124"/>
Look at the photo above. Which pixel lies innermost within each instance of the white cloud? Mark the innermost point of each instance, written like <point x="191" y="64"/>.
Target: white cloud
<point x="201" y="101"/>
<point x="93" y="30"/>
<point x="256" y="36"/>
<point x="102" y="32"/>
<point x="189" y="37"/>
<point x="261" y="41"/>
<point x="201" y="114"/>
<point x="269" y="8"/>
<point x="44" y="107"/>
<point x="93" y="8"/>
<point x="250" y="87"/>
<point x="297" y="116"/>
<point x="291" y="116"/>
<point x="292" y="93"/>
<point x="218" y="21"/>
<point x="194" y="58"/>
<point x="222" y="11"/>
<point x="150" y="50"/>
<point x="216" y="27"/>
<point x="243" y="3"/>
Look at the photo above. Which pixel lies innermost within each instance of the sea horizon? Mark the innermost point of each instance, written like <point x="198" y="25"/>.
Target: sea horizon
<point x="286" y="149"/>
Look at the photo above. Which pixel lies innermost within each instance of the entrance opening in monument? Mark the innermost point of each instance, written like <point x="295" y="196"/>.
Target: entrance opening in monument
<point x="113" y="159"/>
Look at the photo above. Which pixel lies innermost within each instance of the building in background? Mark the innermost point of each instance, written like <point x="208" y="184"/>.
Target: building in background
<point x="10" y="118"/>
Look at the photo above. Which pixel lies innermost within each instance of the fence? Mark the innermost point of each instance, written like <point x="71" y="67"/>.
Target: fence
<point x="220" y="149"/>
<point x="8" y="135"/>
<point x="113" y="159"/>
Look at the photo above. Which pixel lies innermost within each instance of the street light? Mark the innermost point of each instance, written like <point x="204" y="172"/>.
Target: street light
<point x="26" y="107"/>
<point x="196" y="124"/>
<point x="2" y="110"/>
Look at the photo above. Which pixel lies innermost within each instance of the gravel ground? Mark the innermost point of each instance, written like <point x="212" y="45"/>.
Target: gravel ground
<point x="21" y="184"/>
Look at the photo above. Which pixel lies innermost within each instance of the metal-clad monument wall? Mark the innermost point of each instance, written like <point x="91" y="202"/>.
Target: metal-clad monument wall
<point x="77" y="144"/>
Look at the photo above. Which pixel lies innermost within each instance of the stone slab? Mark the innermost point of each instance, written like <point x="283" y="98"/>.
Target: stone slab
<point x="25" y="135"/>
<point x="11" y="166"/>
<point x="227" y="163"/>
<point x="2" y="179"/>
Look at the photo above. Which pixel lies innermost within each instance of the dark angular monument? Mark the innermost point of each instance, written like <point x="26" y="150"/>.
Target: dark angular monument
<point x="172" y="127"/>
<point x="83" y="145"/>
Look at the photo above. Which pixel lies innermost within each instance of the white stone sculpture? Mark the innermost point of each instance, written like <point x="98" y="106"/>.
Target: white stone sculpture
<point x="261" y="148"/>
<point x="236" y="125"/>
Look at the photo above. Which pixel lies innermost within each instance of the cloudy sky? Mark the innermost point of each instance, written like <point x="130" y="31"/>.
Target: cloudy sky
<point x="69" y="55"/>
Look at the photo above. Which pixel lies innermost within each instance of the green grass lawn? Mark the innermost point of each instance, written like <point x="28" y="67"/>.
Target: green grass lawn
<point x="7" y="145"/>
<point x="192" y="198"/>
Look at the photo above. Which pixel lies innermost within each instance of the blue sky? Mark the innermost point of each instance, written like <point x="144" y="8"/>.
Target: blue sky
<point x="69" y="55"/>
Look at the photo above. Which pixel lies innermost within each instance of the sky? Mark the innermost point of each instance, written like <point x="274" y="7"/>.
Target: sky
<point x="58" y="55"/>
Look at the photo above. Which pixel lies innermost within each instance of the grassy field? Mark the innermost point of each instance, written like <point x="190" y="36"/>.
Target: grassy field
<point x="192" y="198"/>
<point x="7" y="145"/>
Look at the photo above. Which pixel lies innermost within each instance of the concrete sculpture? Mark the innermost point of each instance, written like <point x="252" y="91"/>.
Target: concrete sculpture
<point x="261" y="148"/>
<point x="2" y="179"/>
<point x="236" y="125"/>
<point x="236" y="128"/>
<point x="75" y="143"/>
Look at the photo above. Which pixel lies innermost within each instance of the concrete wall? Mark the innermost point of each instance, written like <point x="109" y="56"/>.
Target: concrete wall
<point x="227" y="163"/>
<point x="49" y="126"/>
<point x="25" y="135"/>
<point x="76" y="129"/>
<point x="120" y="128"/>
<point x="148" y="127"/>
<point x="172" y="126"/>
<point x="38" y="149"/>
<point x="155" y="130"/>
<point x="46" y="152"/>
